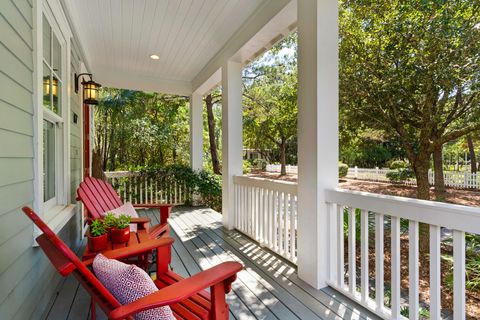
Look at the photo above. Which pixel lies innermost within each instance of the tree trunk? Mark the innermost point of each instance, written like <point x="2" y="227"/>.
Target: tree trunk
<point x="97" y="162"/>
<point x="471" y="151"/>
<point x="283" y="157"/>
<point x="211" y="135"/>
<point x="421" y="173"/>
<point x="438" y="168"/>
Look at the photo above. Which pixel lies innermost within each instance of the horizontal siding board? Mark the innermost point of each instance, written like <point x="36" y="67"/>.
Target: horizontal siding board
<point x="15" y="69"/>
<point x="10" y="223"/>
<point x="16" y="20"/>
<point x="11" y="250"/>
<point x="17" y="271"/>
<point x="15" y="119"/>
<point x="14" y="94"/>
<point x="32" y="278"/>
<point x="25" y="10"/>
<point x="10" y="39"/>
<point x="31" y="288"/>
<point x="15" y="145"/>
<point x="15" y="195"/>
<point x="15" y="170"/>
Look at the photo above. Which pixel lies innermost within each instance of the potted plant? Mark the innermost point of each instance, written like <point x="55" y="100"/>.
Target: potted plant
<point x="97" y="236"/>
<point x="121" y="232"/>
<point x="109" y="222"/>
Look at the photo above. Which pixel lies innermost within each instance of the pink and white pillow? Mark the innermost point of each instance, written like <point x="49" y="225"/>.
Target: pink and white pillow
<point x="126" y="209"/>
<point x="128" y="283"/>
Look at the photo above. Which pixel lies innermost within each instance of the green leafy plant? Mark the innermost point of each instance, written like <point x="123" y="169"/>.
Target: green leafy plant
<point x="122" y="221"/>
<point x="260" y="164"/>
<point x="342" y="170"/>
<point x="398" y="164"/>
<point x="97" y="228"/>
<point x="109" y="221"/>
<point x="400" y="174"/>
<point x="423" y="313"/>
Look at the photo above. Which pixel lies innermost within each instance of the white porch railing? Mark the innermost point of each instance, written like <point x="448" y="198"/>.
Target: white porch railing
<point x="266" y="211"/>
<point x="137" y="188"/>
<point x="391" y="209"/>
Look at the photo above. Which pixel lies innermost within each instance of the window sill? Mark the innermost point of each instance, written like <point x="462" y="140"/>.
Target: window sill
<point x="61" y="216"/>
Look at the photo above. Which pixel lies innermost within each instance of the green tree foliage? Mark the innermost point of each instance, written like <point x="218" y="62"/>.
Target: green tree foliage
<point x="411" y="67"/>
<point x="270" y="101"/>
<point x="135" y="129"/>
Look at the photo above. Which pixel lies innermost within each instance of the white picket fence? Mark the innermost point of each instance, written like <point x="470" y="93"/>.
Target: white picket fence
<point x="387" y="212"/>
<point x="266" y="211"/>
<point x="454" y="179"/>
<point x="147" y="189"/>
<point x="277" y="168"/>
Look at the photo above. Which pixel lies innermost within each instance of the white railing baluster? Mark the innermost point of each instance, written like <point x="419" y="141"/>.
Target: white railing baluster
<point x="395" y="266"/>
<point x="340" y="248"/>
<point x="435" y="305"/>
<point x="364" y="254"/>
<point x="280" y="231"/>
<point x="130" y="188"/>
<point x="266" y="225"/>
<point x="285" y="225"/>
<point x="379" y="258"/>
<point x="458" y="275"/>
<point x="413" y="270"/>
<point x="293" y="227"/>
<point x="275" y="221"/>
<point x="352" y="261"/>
<point x="146" y="189"/>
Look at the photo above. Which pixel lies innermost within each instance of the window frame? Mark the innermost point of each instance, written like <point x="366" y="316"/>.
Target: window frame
<point x="58" y="210"/>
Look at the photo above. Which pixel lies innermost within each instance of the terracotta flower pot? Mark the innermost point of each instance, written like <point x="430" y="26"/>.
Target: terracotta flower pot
<point x="98" y="243"/>
<point x="120" y="236"/>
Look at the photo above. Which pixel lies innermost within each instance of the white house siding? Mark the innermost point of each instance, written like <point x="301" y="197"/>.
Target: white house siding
<point x="27" y="280"/>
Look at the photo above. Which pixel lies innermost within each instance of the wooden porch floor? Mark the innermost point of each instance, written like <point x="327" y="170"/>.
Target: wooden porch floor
<point x="268" y="288"/>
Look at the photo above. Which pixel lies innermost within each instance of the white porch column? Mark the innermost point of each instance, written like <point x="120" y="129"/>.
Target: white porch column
<point x="317" y="133"/>
<point x="196" y="131"/>
<point x="232" y="144"/>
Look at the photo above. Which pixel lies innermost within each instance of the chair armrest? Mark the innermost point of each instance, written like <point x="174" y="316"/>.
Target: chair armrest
<point x="224" y="272"/>
<point x="164" y="208"/>
<point x="152" y="205"/>
<point x="140" y="220"/>
<point x="132" y="251"/>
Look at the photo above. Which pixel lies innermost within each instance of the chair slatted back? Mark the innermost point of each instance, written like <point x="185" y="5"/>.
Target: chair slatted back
<point x="98" y="196"/>
<point x="66" y="262"/>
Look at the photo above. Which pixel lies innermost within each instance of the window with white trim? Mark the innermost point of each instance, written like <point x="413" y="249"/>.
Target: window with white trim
<point x="53" y="116"/>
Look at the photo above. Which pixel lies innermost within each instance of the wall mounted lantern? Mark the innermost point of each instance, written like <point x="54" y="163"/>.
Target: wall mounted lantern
<point x="90" y="89"/>
<point x="46" y="86"/>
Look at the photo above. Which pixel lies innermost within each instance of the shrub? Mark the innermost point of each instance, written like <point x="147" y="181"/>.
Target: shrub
<point x="342" y="170"/>
<point x="247" y="166"/>
<point x="260" y="164"/>
<point x="205" y="183"/>
<point x="401" y="174"/>
<point x="398" y="164"/>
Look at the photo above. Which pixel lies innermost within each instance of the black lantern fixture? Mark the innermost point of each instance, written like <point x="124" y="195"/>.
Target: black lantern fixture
<point x="90" y="89"/>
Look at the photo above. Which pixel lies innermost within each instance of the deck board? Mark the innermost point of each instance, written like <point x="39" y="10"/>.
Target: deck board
<point x="268" y="287"/>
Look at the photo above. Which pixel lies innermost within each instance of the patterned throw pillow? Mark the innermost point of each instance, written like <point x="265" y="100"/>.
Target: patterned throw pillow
<point x="126" y="209"/>
<point x="128" y="283"/>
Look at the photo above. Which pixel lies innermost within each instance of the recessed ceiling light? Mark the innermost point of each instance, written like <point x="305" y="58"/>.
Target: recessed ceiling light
<point x="154" y="57"/>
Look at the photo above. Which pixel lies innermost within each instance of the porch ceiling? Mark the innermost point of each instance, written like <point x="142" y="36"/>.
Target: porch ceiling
<point x="118" y="38"/>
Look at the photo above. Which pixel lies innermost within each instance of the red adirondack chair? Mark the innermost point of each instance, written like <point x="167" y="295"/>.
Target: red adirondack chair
<point x="186" y="297"/>
<point x="99" y="196"/>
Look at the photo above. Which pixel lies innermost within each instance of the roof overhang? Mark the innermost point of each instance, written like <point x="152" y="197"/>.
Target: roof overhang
<point x="267" y="22"/>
